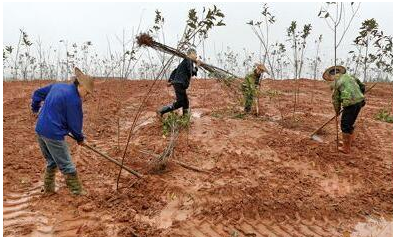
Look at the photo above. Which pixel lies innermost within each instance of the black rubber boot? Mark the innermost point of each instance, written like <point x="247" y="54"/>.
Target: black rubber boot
<point x="165" y="109"/>
<point x="186" y="112"/>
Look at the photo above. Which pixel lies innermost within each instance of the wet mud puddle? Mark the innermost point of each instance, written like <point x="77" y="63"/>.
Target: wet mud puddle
<point x="374" y="228"/>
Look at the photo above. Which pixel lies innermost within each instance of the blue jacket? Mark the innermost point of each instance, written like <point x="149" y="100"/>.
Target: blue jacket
<point x="61" y="113"/>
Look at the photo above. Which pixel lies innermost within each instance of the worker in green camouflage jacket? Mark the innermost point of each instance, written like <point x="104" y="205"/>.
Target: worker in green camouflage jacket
<point x="250" y="86"/>
<point x="347" y="92"/>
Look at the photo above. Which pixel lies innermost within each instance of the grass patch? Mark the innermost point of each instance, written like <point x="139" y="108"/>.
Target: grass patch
<point x="384" y="115"/>
<point x="175" y="121"/>
<point x="228" y="112"/>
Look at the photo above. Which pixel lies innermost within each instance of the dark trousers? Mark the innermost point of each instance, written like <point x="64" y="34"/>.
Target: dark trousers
<point x="181" y="100"/>
<point x="348" y="118"/>
<point x="181" y="97"/>
<point x="248" y="101"/>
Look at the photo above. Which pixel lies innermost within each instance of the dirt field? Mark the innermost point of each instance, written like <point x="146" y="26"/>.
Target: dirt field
<point x="264" y="175"/>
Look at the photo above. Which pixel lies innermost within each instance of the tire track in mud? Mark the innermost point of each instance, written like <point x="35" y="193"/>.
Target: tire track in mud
<point x="224" y="226"/>
<point x="249" y="227"/>
<point x="255" y="227"/>
<point x="19" y="218"/>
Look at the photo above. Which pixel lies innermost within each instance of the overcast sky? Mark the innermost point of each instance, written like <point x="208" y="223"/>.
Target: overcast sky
<point x="79" y="22"/>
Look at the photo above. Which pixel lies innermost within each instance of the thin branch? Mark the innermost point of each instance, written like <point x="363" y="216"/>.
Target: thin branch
<point x="349" y="23"/>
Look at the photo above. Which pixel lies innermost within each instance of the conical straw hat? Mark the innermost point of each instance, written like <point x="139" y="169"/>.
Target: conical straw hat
<point x="85" y="81"/>
<point x="327" y="75"/>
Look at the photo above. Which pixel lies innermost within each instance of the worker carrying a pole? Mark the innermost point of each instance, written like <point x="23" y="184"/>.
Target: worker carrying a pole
<point x="250" y="86"/>
<point x="347" y="92"/>
<point x="180" y="80"/>
<point x="60" y="114"/>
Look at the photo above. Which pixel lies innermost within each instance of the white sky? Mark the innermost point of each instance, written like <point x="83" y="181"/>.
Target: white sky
<point x="79" y="22"/>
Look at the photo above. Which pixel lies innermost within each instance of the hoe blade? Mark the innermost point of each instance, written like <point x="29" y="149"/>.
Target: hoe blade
<point x="316" y="138"/>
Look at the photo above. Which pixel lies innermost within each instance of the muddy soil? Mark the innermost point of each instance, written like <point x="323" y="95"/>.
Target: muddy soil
<point x="263" y="176"/>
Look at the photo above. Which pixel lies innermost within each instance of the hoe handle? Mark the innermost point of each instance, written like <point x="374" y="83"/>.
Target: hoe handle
<point x="318" y="129"/>
<point x="326" y="123"/>
<point x="110" y="159"/>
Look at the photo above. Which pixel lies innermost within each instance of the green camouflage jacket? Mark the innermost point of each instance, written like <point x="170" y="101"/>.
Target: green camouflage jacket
<point x="348" y="90"/>
<point x="250" y="83"/>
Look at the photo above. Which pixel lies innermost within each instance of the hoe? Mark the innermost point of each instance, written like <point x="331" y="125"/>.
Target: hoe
<point x="314" y="135"/>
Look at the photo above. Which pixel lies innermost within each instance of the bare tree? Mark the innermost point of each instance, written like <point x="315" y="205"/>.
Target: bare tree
<point x="377" y="48"/>
<point x="334" y="19"/>
<point x="317" y="59"/>
<point x="263" y="34"/>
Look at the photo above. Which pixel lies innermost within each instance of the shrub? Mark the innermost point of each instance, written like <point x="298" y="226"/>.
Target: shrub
<point x="174" y="121"/>
<point x="384" y="115"/>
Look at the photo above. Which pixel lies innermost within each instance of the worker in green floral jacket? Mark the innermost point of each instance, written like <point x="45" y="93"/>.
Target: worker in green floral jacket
<point x="251" y="85"/>
<point x="347" y="92"/>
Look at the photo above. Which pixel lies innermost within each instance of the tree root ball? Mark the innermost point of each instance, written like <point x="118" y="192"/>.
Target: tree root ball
<point x="144" y="39"/>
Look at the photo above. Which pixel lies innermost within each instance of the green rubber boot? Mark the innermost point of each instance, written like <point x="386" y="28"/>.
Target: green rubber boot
<point x="74" y="184"/>
<point x="49" y="180"/>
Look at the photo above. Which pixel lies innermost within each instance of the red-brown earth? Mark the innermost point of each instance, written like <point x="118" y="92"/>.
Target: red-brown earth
<point x="264" y="175"/>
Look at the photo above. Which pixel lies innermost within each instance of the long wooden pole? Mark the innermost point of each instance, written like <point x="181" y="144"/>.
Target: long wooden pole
<point x="137" y="174"/>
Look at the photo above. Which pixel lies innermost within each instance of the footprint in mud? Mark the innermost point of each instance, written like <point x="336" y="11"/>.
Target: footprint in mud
<point x="173" y="212"/>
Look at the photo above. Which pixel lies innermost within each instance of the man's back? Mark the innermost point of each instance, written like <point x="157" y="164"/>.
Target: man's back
<point x="184" y="72"/>
<point x="350" y="92"/>
<point x="61" y="111"/>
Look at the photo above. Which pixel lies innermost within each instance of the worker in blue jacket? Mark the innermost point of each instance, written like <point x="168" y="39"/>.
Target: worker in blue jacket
<point x="61" y="114"/>
<point x="180" y="80"/>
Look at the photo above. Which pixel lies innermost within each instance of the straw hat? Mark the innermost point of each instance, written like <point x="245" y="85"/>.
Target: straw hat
<point x="260" y="67"/>
<point x="85" y="81"/>
<point x="333" y="70"/>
